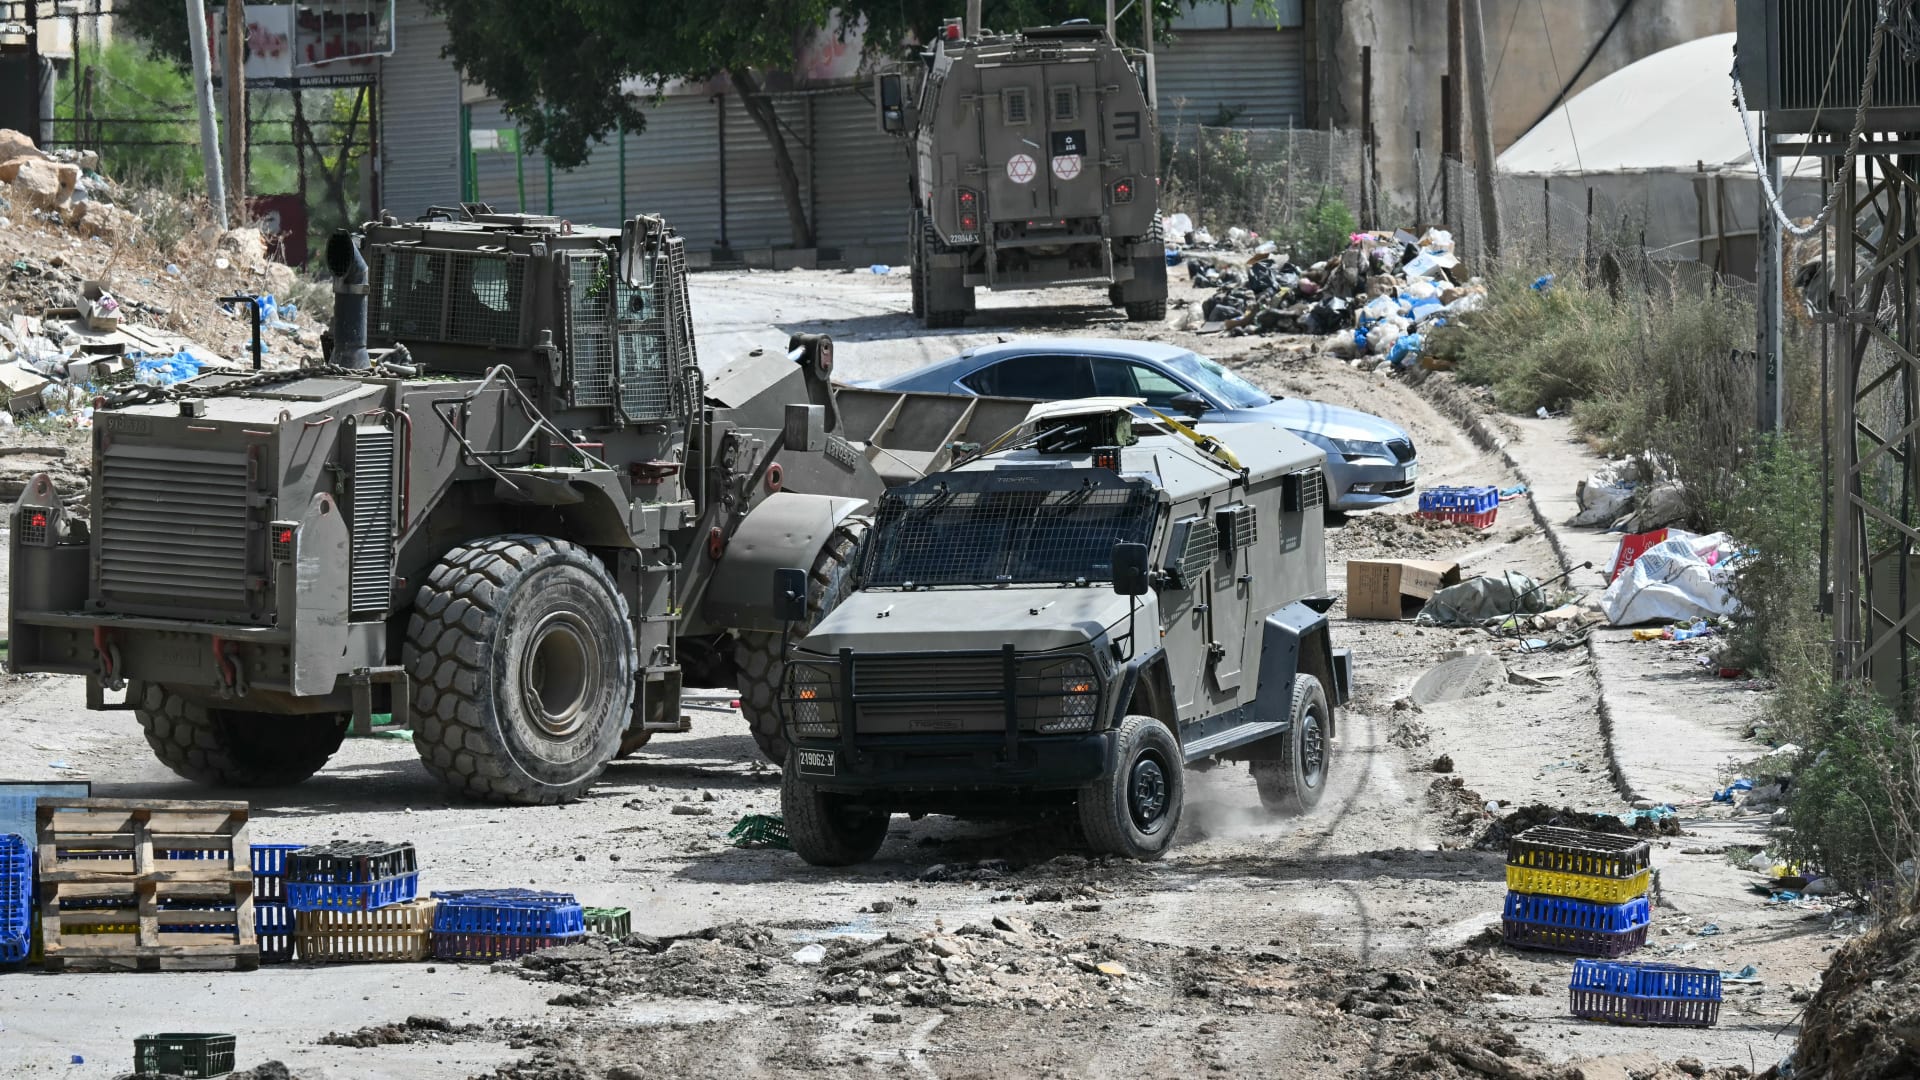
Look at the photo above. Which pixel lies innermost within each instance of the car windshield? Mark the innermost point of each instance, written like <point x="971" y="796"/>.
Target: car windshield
<point x="1003" y="536"/>
<point x="1221" y="384"/>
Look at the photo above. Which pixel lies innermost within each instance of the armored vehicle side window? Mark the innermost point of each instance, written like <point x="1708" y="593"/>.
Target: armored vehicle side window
<point x="486" y="300"/>
<point x="1113" y="377"/>
<point x="1066" y="103"/>
<point x="408" y="294"/>
<point x="1050" y="377"/>
<point x="1013" y="106"/>
<point x="929" y="536"/>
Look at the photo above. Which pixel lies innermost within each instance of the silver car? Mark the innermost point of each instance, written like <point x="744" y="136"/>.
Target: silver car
<point x="1370" y="461"/>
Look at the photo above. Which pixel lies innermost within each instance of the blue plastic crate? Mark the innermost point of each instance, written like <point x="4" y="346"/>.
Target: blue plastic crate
<point x="273" y="929"/>
<point x="356" y="896"/>
<point x="1464" y="500"/>
<point x="509" y="912"/>
<point x="1639" y="993"/>
<point x="16" y="898"/>
<point x="269" y="863"/>
<point x="1578" y="914"/>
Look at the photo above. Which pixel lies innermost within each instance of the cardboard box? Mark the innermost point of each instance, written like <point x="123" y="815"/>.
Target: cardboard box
<point x="1395" y="588"/>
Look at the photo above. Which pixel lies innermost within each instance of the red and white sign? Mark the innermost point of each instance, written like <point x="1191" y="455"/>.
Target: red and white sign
<point x="1066" y="166"/>
<point x="1020" y="168"/>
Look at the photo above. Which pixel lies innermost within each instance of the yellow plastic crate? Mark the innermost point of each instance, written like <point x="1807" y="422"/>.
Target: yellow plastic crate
<point x="1598" y="890"/>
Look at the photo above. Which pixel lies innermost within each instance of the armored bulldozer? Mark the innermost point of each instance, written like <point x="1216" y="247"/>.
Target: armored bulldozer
<point x="511" y="513"/>
<point x="1034" y="162"/>
<point x="1072" y="620"/>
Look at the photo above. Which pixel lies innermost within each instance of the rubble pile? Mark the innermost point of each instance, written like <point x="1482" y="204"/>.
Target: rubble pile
<point x="90" y="300"/>
<point x="1861" y="1023"/>
<point x="1379" y="297"/>
<point x="1400" y="536"/>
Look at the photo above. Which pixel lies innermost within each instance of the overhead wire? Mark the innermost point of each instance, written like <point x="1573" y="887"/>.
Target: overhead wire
<point x="1566" y="106"/>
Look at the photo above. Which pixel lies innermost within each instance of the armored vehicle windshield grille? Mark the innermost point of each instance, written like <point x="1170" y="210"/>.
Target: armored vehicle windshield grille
<point x="998" y="536"/>
<point x="589" y="329"/>
<point x="173" y="528"/>
<point x="1196" y="541"/>
<point x="370" y="584"/>
<point x="459" y="297"/>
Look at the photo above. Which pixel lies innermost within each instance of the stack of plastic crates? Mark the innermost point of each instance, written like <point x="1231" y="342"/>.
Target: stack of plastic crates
<point x="351" y="875"/>
<point x="500" y="924"/>
<point x="272" y="918"/>
<point x="355" y="901"/>
<point x="16" y="898"/>
<point x="1576" y="891"/>
<point x="1633" y="993"/>
<point x="1475" y="506"/>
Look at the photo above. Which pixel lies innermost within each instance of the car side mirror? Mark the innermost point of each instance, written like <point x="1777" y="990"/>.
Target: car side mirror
<point x="790" y="594"/>
<point x="1132" y="575"/>
<point x="1192" y="404"/>
<point x="891" y="95"/>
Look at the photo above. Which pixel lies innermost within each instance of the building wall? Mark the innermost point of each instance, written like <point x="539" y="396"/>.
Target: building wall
<point x="1532" y="49"/>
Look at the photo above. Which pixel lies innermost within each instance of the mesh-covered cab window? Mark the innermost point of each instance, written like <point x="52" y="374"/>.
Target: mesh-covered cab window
<point x="486" y="300"/>
<point x="930" y="536"/>
<point x="589" y="329"/>
<point x="409" y="292"/>
<point x="646" y="370"/>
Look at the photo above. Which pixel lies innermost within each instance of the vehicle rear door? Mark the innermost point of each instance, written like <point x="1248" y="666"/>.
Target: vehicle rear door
<point x="1073" y="131"/>
<point x="1013" y="137"/>
<point x="1042" y="377"/>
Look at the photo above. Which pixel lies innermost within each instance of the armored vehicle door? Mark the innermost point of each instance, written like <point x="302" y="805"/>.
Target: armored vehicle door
<point x="1013" y="135"/>
<point x="1073" y="129"/>
<point x="1230" y="609"/>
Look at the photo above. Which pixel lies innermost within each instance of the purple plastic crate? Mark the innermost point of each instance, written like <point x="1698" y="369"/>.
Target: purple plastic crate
<point x="1558" y="924"/>
<point x="1641" y="993"/>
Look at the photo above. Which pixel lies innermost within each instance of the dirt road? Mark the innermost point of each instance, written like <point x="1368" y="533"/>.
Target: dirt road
<point x="1350" y="942"/>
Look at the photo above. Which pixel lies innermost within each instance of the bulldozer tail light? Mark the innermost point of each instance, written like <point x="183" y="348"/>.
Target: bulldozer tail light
<point x="33" y="528"/>
<point x="1123" y="191"/>
<point x="281" y="539"/>
<point x="951" y="30"/>
<point x="967" y="201"/>
<point x="774" y="474"/>
<point x="716" y="543"/>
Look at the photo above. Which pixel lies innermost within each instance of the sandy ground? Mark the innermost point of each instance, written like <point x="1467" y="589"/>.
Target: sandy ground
<point x="1346" y="942"/>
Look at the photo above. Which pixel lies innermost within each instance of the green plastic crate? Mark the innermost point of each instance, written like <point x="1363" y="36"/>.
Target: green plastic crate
<point x="614" y="922"/>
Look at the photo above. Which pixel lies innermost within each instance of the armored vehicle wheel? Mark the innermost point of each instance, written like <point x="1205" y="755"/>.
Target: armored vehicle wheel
<point x="522" y="665"/>
<point x="1292" y="781"/>
<point x="1147" y="311"/>
<point x="758" y="656"/>
<point x="822" y="829"/>
<point x="230" y="748"/>
<point x="1135" y="809"/>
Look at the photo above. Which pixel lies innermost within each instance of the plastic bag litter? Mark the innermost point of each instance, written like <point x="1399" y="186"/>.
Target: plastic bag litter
<point x="166" y="370"/>
<point x="1342" y="345"/>
<point x="1606" y="494"/>
<point x="1477" y="600"/>
<point x="1178" y="226"/>
<point x="1672" y="582"/>
<point x="1406" y="350"/>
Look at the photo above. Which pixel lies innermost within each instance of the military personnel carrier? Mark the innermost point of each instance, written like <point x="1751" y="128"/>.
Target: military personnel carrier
<point x="1073" y="617"/>
<point x="1034" y="160"/>
<point x="511" y="512"/>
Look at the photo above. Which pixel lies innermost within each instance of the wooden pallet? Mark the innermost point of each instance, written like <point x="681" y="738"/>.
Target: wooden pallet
<point x="191" y="856"/>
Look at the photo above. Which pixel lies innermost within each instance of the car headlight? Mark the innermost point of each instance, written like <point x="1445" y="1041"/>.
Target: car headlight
<point x="1068" y="697"/>
<point x="1360" y="448"/>
<point x="810" y="701"/>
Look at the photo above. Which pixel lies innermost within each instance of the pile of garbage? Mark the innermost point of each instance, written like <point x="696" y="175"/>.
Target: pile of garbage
<point x="1379" y="297"/>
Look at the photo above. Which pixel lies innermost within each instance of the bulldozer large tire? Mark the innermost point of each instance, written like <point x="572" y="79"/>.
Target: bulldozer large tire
<point x="757" y="656"/>
<point x="231" y="748"/>
<point x="521" y="659"/>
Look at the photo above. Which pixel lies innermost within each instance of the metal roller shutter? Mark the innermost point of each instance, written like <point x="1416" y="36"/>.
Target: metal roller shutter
<point x="673" y="169"/>
<point x="419" y="117"/>
<point x="1259" y="76"/>
<point x="756" y="212"/>
<point x="860" y="189"/>
<point x="496" y="181"/>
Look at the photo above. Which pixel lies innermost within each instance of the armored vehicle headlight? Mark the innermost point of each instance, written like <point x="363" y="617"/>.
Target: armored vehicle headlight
<point x="812" y="704"/>
<point x="1073" y="697"/>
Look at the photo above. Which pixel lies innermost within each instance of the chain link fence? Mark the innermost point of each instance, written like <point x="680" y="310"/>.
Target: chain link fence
<point x="1300" y="188"/>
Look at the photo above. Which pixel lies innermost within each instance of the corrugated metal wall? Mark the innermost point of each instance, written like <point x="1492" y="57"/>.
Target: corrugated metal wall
<point x="756" y="211"/>
<point x="860" y="193"/>
<point x="673" y="169"/>
<point x="419" y="117"/>
<point x="1257" y="76"/>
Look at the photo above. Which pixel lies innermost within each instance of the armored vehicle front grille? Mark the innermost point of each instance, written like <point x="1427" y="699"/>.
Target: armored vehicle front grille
<point x="370" y="576"/>
<point x="928" y="677"/>
<point x="173" y="528"/>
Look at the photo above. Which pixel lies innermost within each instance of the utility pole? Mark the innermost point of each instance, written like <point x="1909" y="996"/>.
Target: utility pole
<point x="209" y="133"/>
<point x="972" y="28"/>
<point x="1772" y="405"/>
<point x="1476" y="76"/>
<point x="237" y="105"/>
<point x="1110" y="34"/>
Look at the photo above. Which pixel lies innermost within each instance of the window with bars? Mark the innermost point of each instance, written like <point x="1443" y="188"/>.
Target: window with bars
<point x="928" y="535"/>
<point x="1013" y="106"/>
<point x="1066" y="103"/>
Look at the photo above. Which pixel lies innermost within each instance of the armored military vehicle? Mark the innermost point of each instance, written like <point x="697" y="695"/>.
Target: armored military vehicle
<point x="511" y="513"/>
<point x="1073" y="617"/>
<point x="1035" y="163"/>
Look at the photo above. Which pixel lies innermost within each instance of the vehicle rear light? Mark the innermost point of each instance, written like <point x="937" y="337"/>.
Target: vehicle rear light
<point x="951" y="30"/>
<point x="1123" y="191"/>
<point x="282" y="540"/>
<point x="1106" y="457"/>
<point x="33" y="528"/>
<point x="968" y="202"/>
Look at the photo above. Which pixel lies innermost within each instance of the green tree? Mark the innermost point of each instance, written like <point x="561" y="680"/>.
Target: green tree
<point x="559" y="66"/>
